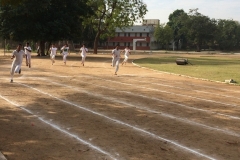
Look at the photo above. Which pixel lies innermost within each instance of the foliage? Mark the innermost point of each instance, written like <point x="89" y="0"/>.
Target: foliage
<point x="228" y="34"/>
<point x="163" y="34"/>
<point x="176" y="24"/>
<point x="48" y="20"/>
<point x="112" y="14"/>
<point x="199" y="29"/>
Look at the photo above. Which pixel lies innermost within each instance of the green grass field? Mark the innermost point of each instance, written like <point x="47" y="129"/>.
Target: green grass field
<point x="215" y="68"/>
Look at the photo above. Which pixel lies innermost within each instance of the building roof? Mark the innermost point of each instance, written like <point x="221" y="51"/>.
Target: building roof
<point x="133" y="29"/>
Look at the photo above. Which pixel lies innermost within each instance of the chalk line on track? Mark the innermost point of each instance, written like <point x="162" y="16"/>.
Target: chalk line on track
<point x="124" y="124"/>
<point x="166" y="115"/>
<point x="197" y="85"/>
<point x="161" y="100"/>
<point x="182" y="95"/>
<point x="170" y="86"/>
<point x="60" y="129"/>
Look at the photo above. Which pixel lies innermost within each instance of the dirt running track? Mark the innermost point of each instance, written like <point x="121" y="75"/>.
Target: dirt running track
<point x="58" y="112"/>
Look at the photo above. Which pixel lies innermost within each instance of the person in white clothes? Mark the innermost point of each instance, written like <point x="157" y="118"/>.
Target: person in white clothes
<point x="17" y="57"/>
<point x="65" y="50"/>
<point x="116" y="58"/>
<point x="83" y="53"/>
<point x="53" y="53"/>
<point x="28" y="51"/>
<point x="126" y="54"/>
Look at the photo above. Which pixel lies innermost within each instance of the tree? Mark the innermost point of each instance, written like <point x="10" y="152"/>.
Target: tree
<point x="112" y="14"/>
<point x="199" y="29"/>
<point x="52" y="20"/>
<point x="10" y="2"/>
<point x="228" y="34"/>
<point x="163" y="34"/>
<point x="176" y="24"/>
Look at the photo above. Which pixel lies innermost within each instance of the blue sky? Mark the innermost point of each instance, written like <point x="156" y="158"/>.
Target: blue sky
<point x="218" y="9"/>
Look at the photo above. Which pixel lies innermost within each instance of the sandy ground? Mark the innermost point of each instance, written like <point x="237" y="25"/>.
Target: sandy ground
<point x="71" y="112"/>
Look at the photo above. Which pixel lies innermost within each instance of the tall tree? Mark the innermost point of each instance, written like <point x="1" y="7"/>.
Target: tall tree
<point x="112" y="14"/>
<point x="51" y="21"/>
<point x="200" y="29"/>
<point x="176" y="24"/>
<point x="228" y="34"/>
<point x="163" y="34"/>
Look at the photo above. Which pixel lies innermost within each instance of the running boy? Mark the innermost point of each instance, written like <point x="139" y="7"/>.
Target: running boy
<point x="65" y="50"/>
<point x="17" y="55"/>
<point x="116" y="58"/>
<point x="28" y="51"/>
<point x="126" y="54"/>
<point x="53" y="53"/>
<point x="83" y="53"/>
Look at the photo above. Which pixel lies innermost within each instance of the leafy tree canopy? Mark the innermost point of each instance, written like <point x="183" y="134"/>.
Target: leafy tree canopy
<point x="112" y="14"/>
<point x="44" y="21"/>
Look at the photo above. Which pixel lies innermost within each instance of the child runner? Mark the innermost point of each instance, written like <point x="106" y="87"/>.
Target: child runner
<point x="18" y="55"/>
<point x="126" y="54"/>
<point x="53" y="53"/>
<point x="65" y="49"/>
<point x="28" y="51"/>
<point x="116" y="59"/>
<point x="83" y="53"/>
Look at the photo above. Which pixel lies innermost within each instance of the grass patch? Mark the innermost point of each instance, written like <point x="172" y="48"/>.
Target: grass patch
<point x="212" y="68"/>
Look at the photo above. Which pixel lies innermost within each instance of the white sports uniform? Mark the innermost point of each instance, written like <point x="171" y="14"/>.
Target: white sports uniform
<point x="28" y="54"/>
<point x="17" y="62"/>
<point x="53" y="53"/>
<point x="65" y="53"/>
<point x="116" y="59"/>
<point x="83" y="54"/>
<point x="126" y="54"/>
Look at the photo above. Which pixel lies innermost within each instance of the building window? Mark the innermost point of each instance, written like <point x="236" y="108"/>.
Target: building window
<point x="148" y="44"/>
<point x="140" y="34"/>
<point x="113" y="43"/>
<point x="135" y="34"/>
<point x="140" y="44"/>
<point x="118" y="34"/>
<point x="128" y="34"/>
<point x="124" y="34"/>
<point x="128" y="43"/>
<point x="147" y="34"/>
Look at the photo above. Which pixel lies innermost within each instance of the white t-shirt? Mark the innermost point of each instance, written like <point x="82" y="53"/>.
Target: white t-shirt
<point x="53" y="50"/>
<point x="65" y="50"/>
<point x="84" y="51"/>
<point x="116" y="53"/>
<point x="18" y="56"/>
<point x="26" y="51"/>
<point x="127" y="51"/>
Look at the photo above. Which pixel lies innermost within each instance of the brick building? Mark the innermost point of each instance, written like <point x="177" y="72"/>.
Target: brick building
<point x="126" y="37"/>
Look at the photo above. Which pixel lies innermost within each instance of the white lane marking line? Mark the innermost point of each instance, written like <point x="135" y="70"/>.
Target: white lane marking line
<point x="147" y="109"/>
<point x="182" y="75"/>
<point x="182" y="95"/>
<point x="59" y="129"/>
<point x="125" y="124"/>
<point x="170" y="86"/>
<point x="196" y="85"/>
<point x="161" y="100"/>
